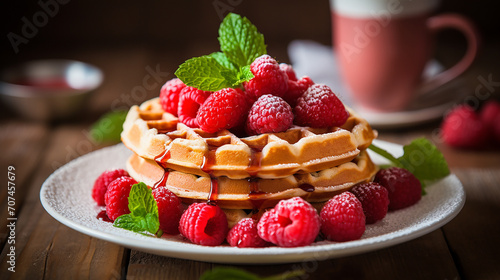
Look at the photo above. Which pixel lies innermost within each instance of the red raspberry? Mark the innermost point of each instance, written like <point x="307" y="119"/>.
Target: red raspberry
<point x="268" y="78"/>
<point x="490" y="116"/>
<point x="288" y="69"/>
<point x="169" y="210"/>
<point x="223" y="109"/>
<point x="169" y="95"/>
<point x="102" y="182"/>
<point x="204" y="224"/>
<point x="190" y="100"/>
<point x="244" y="234"/>
<point x="462" y="128"/>
<point x="291" y="223"/>
<point x="269" y="114"/>
<point x="319" y="107"/>
<point x="403" y="187"/>
<point x="342" y="218"/>
<point x="375" y="200"/>
<point x="296" y="89"/>
<point x="116" y="197"/>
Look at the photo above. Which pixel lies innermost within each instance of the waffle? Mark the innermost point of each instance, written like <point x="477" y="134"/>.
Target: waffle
<point x="154" y="134"/>
<point x="254" y="193"/>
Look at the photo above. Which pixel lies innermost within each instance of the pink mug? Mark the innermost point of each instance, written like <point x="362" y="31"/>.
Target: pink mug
<point x="383" y="46"/>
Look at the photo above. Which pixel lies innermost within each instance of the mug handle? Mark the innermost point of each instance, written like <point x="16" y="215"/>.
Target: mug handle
<point x="462" y="24"/>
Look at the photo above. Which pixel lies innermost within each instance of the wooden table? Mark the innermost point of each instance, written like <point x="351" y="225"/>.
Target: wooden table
<point x="468" y="247"/>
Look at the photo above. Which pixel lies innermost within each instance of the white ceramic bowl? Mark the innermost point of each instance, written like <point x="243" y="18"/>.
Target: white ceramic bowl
<point x="47" y="90"/>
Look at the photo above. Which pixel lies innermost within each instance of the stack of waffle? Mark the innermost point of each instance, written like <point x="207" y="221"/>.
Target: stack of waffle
<point x="246" y="174"/>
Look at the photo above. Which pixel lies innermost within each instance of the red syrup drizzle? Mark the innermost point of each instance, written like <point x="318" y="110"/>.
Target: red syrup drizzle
<point x="162" y="159"/>
<point x="103" y="217"/>
<point x="253" y="169"/>
<point x="206" y="166"/>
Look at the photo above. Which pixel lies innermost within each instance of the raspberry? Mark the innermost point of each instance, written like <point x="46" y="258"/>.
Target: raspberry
<point x="116" y="197"/>
<point x="204" y="224"/>
<point x="296" y="89"/>
<point x="268" y="78"/>
<point x="462" y="128"/>
<point x="223" y="109"/>
<point x="269" y="114"/>
<point x="288" y="69"/>
<point x="244" y="234"/>
<point x="403" y="187"/>
<point x="102" y="182"/>
<point x="169" y="210"/>
<point x="490" y="116"/>
<point x="190" y="100"/>
<point x="319" y="107"/>
<point x="169" y="95"/>
<point x="291" y="223"/>
<point x="342" y="218"/>
<point x="375" y="200"/>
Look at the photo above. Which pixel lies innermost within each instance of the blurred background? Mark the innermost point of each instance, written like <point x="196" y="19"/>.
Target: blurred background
<point x="130" y="39"/>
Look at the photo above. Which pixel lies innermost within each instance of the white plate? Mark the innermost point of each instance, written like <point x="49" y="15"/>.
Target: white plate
<point x="66" y="195"/>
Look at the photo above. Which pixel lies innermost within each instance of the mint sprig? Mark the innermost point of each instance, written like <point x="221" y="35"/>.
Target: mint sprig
<point x="232" y="273"/>
<point x="240" y="43"/>
<point x="143" y="217"/>
<point x="421" y="158"/>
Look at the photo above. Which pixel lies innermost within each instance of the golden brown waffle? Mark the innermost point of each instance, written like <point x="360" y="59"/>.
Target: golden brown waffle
<point x="254" y="193"/>
<point x="156" y="135"/>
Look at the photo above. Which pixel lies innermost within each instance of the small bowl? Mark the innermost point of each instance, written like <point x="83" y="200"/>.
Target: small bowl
<point x="47" y="90"/>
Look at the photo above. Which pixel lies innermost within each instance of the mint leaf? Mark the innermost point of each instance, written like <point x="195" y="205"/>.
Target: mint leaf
<point x="424" y="160"/>
<point x="223" y="60"/>
<point x="240" y="41"/>
<point x="204" y="73"/>
<point x="109" y="127"/>
<point x="421" y="158"/>
<point x="231" y="273"/>
<point x="143" y="217"/>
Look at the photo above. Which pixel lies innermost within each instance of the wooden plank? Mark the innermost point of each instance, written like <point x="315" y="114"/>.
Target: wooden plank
<point x="147" y="266"/>
<point x="21" y="144"/>
<point x="44" y="247"/>
<point x="473" y="236"/>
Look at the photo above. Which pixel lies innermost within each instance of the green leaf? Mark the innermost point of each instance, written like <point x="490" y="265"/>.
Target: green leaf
<point x="424" y="160"/>
<point x="108" y="127"/>
<point x="421" y="158"/>
<point x="240" y="40"/>
<point x="223" y="60"/>
<point x="204" y="73"/>
<point x="231" y="273"/>
<point x="143" y="217"/>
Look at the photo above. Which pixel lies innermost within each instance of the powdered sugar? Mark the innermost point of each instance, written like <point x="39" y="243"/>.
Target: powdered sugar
<point x="443" y="201"/>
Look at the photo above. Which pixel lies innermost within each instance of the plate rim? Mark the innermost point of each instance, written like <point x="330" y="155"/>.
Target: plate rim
<point x="269" y="255"/>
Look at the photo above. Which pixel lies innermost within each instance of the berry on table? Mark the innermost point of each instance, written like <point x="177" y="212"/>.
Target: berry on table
<point x="404" y="189"/>
<point x="342" y="218"/>
<point x="462" y="128"/>
<point x="291" y="223"/>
